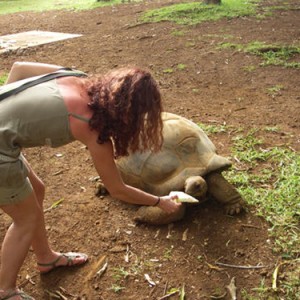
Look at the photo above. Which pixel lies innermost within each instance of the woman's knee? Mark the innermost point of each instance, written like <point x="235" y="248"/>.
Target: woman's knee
<point x="25" y="214"/>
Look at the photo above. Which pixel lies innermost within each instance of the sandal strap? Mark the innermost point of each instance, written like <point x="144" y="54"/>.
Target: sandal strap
<point x="17" y="292"/>
<point x="71" y="257"/>
<point x="51" y="264"/>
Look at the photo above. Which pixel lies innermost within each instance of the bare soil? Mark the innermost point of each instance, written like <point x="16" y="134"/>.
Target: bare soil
<point x="213" y="88"/>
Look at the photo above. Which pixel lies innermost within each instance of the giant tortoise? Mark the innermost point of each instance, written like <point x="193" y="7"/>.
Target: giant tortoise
<point x="187" y="162"/>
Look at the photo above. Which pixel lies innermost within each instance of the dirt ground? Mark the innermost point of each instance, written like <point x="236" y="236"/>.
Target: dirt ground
<point x="214" y="88"/>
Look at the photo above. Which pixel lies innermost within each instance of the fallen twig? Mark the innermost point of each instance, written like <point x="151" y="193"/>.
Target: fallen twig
<point x="184" y="235"/>
<point x="126" y="256"/>
<point x="182" y="293"/>
<point x="218" y="297"/>
<point x="149" y="280"/>
<point x="58" y="173"/>
<point x="214" y="267"/>
<point x="231" y="287"/>
<point x="170" y="226"/>
<point x="66" y="292"/>
<point x="102" y="270"/>
<point x="240" y="267"/>
<point x="250" y="226"/>
<point x="61" y="295"/>
<point x="135" y="25"/>
<point x="276" y="271"/>
<point x="166" y="286"/>
<point x="52" y="295"/>
<point x="168" y="295"/>
<point x="54" y="205"/>
<point x="27" y="280"/>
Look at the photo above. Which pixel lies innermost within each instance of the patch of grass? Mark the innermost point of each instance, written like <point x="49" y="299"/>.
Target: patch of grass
<point x="273" y="189"/>
<point x="274" y="90"/>
<point x="120" y="273"/>
<point x="190" y="44"/>
<point x="286" y="6"/>
<point x="181" y="66"/>
<point x="196" y="12"/>
<point x="3" y="79"/>
<point x="277" y="55"/>
<point x="272" y="129"/>
<point x="178" y="33"/>
<point x="168" y="71"/>
<point x="168" y="253"/>
<point x="249" y="68"/>
<point x="6" y="6"/>
<point x="117" y="288"/>
<point x="268" y="179"/>
<point x="210" y="129"/>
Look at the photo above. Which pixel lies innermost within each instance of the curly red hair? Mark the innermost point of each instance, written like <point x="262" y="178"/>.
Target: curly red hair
<point x="126" y="105"/>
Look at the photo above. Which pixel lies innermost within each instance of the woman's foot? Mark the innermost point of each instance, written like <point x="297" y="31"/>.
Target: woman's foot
<point x="63" y="260"/>
<point x="14" y="294"/>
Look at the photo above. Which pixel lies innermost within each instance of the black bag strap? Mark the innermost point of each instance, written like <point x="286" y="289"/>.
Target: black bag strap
<point x="60" y="73"/>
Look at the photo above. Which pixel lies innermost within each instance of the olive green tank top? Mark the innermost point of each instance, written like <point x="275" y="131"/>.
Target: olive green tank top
<point x="34" y="117"/>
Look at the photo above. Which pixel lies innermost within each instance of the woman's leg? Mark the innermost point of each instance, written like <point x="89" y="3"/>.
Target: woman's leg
<point x="40" y="244"/>
<point x="17" y="239"/>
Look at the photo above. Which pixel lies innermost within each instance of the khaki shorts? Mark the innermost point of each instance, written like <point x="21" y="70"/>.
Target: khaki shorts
<point x="14" y="183"/>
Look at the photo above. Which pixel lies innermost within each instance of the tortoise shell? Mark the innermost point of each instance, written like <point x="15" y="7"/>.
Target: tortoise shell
<point x="186" y="151"/>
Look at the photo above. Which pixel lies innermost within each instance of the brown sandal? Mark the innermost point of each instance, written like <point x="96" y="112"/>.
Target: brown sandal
<point x="70" y="256"/>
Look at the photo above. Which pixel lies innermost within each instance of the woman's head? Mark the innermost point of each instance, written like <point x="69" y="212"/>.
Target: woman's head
<point x="127" y="107"/>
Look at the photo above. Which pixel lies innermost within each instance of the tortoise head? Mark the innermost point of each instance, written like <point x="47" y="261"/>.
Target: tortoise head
<point x="195" y="186"/>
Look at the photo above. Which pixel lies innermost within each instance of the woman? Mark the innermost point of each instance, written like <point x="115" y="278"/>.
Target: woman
<point x="111" y="115"/>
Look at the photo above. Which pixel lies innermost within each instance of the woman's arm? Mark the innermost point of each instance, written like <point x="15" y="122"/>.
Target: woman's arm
<point x="22" y="70"/>
<point x="102" y="156"/>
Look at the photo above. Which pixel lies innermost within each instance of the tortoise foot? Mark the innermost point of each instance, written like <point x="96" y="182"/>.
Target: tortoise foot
<point x="225" y="193"/>
<point x="156" y="216"/>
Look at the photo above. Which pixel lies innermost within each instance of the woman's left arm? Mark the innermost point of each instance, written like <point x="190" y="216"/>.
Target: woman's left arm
<point x="22" y="70"/>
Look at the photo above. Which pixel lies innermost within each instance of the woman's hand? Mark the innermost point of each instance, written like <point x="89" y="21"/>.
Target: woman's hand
<point x="169" y="204"/>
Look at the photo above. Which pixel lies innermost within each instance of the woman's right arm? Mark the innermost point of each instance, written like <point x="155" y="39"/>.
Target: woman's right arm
<point x="102" y="156"/>
<point x="22" y="70"/>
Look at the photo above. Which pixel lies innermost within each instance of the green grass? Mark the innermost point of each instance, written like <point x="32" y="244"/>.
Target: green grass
<point x="196" y="12"/>
<point x="117" y="288"/>
<point x="270" y="184"/>
<point x="249" y="68"/>
<point x="181" y="66"/>
<point x="213" y="128"/>
<point x="3" y="79"/>
<point x="178" y="33"/>
<point x="275" y="90"/>
<point x="168" y="71"/>
<point x="7" y="6"/>
<point x="268" y="179"/>
<point x="277" y="55"/>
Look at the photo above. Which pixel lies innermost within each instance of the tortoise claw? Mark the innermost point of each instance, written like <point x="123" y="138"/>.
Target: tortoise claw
<point x="233" y="209"/>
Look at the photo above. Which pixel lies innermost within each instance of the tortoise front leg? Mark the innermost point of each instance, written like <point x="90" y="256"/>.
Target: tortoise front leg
<point x="225" y="193"/>
<point x="156" y="216"/>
